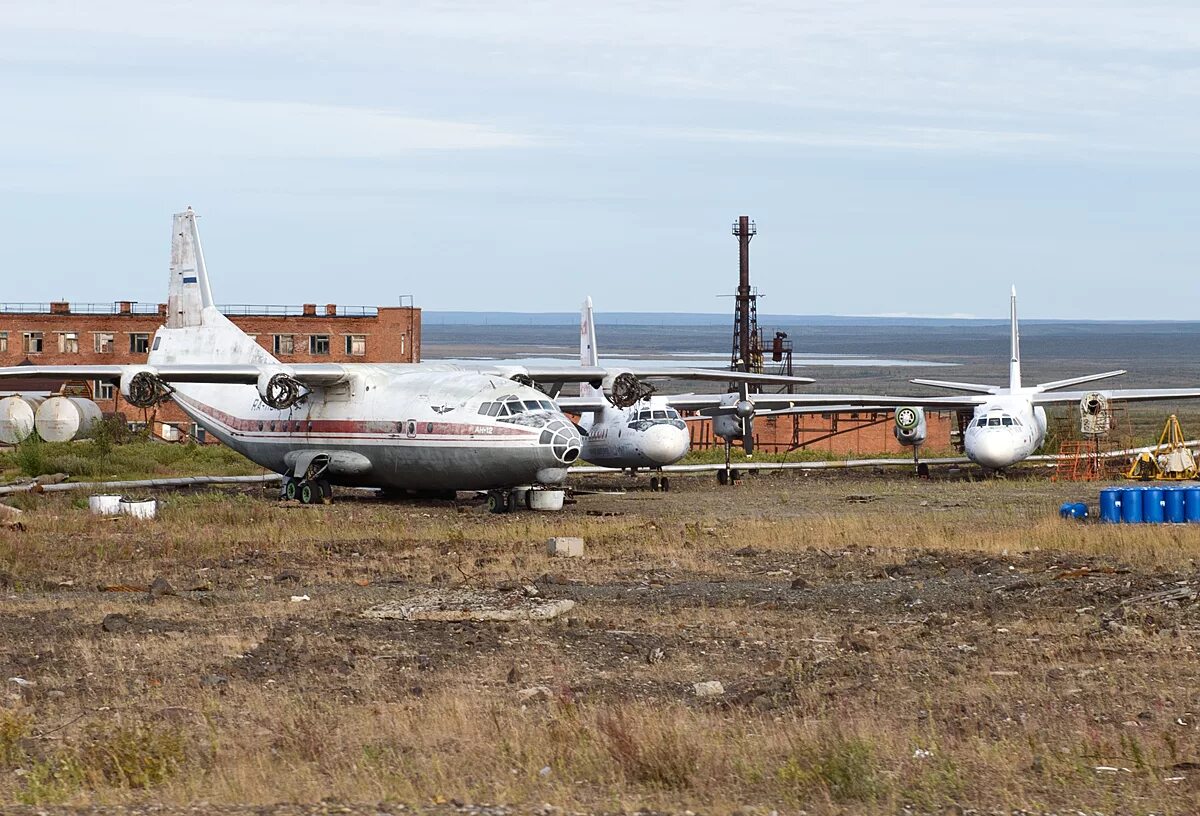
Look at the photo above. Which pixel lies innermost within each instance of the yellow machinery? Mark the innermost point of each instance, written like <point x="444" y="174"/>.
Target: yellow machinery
<point x="1170" y="460"/>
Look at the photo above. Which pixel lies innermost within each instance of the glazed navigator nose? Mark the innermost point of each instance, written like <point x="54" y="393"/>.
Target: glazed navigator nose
<point x="664" y="444"/>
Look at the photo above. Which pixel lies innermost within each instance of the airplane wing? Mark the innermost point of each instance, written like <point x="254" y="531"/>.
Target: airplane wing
<point x="309" y="374"/>
<point x="1119" y="395"/>
<point x="566" y="373"/>
<point x="581" y="405"/>
<point x="825" y="402"/>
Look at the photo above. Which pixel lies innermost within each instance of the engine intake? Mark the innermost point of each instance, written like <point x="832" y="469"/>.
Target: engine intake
<point x="143" y="388"/>
<point x="626" y="390"/>
<point x="280" y="390"/>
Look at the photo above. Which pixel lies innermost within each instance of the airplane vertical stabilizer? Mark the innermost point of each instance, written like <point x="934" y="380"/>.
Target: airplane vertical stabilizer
<point x="189" y="292"/>
<point x="1014" y="363"/>
<point x="587" y="336"/>
<point x="196" y="331"/>
<point x="588" y="355"/>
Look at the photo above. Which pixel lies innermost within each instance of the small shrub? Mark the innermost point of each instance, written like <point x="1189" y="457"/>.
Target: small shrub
<point x="844" y="769"/>
<point x="73" y="465"/>
<point x="130" y="756"/>
<point x="657" y="755"/>
<point x="14" y="728"/>
<point x="30" y="456"/>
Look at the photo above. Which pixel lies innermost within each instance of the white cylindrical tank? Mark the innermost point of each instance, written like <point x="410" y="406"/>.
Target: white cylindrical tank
<point x="61" y="419"/>
<point x="17" y="416"/>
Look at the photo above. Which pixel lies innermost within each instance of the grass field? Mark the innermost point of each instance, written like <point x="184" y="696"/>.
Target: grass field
<point x="883" y="644"/>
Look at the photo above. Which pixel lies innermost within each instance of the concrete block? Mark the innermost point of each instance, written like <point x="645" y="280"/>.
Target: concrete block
<point x="565" y="547"/>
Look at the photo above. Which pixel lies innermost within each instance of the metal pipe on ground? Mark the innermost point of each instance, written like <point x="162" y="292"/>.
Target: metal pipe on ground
<point x="182" y="481"/>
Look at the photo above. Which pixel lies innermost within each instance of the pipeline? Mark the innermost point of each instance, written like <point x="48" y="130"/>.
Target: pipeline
<point x="182" y="481"/>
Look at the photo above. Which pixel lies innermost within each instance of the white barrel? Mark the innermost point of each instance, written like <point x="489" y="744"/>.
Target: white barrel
<point x="61" y="419"/>
<point x="17" y="416"/>
<point x="139" y="508"/>
<point x="105" y="505"/>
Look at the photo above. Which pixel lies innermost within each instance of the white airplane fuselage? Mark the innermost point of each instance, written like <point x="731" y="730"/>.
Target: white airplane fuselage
<point x="648" y="434"/>
<point x="1004" y="430"/>
<point x="417" y="426"/>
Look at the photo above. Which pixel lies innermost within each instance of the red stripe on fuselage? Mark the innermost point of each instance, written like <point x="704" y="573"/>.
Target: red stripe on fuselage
<point x="369" y="427"/>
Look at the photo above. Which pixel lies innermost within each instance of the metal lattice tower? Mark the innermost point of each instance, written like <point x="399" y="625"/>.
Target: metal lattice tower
<point x="747" y="351"/>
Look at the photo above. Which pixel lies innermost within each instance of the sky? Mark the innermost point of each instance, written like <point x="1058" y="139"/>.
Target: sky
<point x="899" y="158"/>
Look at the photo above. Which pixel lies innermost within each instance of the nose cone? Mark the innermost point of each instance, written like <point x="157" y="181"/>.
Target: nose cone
<point x="664" y="444"/>
<point x="560" y="439"/>
<point x="993" y="448"/>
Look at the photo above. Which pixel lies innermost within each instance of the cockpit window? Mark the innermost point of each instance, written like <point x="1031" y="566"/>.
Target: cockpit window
<point x="1007" y="420"/>
<point x="483" y="408"/>
<point x="660" y="414"/>
<point x="672" y="413"/>
<point x="546" y="405"/>
<point x="993" y="422"/>
<point x="532" y="405"/>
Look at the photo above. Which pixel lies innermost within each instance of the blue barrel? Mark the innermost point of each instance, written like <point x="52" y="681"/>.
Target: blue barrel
<point x="1131" y="505"/>
<point x="1066" y="510"/>
<point x="1191" y="504"/>
<point x="1110" y="505"/>
<point x="1175" y="498"/>
<point x="1152" y="505"/>
<point x="1079" y="510"/>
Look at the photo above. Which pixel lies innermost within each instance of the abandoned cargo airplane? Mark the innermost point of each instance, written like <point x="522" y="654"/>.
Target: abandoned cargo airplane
<point x="418" y="427"/>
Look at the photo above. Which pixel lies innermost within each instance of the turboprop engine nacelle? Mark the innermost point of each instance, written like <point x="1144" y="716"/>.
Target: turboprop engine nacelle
<point x="624" y="389"/>
<point x="1093" y="413"/>
<point x="141" y="387"/>
<point x="736" y="424"/>
<point x="279" y="389"/>
<point x="910" y="426"/>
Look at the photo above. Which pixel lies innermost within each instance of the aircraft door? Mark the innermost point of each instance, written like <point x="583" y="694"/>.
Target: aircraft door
<point x="410" y="429"/>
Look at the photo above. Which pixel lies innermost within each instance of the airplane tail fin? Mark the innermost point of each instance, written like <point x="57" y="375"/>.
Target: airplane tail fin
<point x="189" y="292"/>
<point x="204" y="334"/>
<point x="1014" y="363"/>
<point x="588" y="355"/>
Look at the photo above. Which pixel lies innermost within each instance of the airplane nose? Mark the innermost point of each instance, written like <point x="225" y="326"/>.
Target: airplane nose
<point x="664" y="444"/>
<point x="993" y="449"/>
<point x="561" y="440"/>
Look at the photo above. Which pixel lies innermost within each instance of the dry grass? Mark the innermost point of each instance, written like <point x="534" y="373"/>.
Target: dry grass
<point x="858" y="699"/>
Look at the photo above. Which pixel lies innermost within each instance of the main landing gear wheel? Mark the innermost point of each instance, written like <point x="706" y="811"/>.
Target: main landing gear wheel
<point x="665" y="484"/>
<point x="654" y="483"/>
<point x="290" y="488"/>
<point x="501" y="501"/>
<point x="723" y="477"/>
<point x="308" y="493"/>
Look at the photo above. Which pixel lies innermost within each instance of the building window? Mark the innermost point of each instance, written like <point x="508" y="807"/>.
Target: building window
<point x="139" y="343"/>
<point x="403" y="338"/>
<point x="318" y="344"/>
<point x="104" y="342"/>
<point x="284" y="344"/>
<point x="102" y="390"/>
<point x="3" y="342"/>
<point x="356" y="345"/>
<point x="32" y="342"/>
<point x="68" y="343"/>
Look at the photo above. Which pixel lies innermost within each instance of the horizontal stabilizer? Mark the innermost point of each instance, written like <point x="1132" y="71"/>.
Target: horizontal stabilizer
<point x="975" y="388"/>
<point x="1087" y="378"/>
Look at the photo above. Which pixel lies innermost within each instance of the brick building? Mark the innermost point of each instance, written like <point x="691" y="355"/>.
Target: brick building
<point x="63" y="334"/>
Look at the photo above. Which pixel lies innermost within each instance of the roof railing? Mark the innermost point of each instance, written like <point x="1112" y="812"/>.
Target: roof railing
<point x="136" y="308"/>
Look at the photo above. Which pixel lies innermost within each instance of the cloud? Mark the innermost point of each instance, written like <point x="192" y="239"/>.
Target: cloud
<point x="151" y="126"/>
